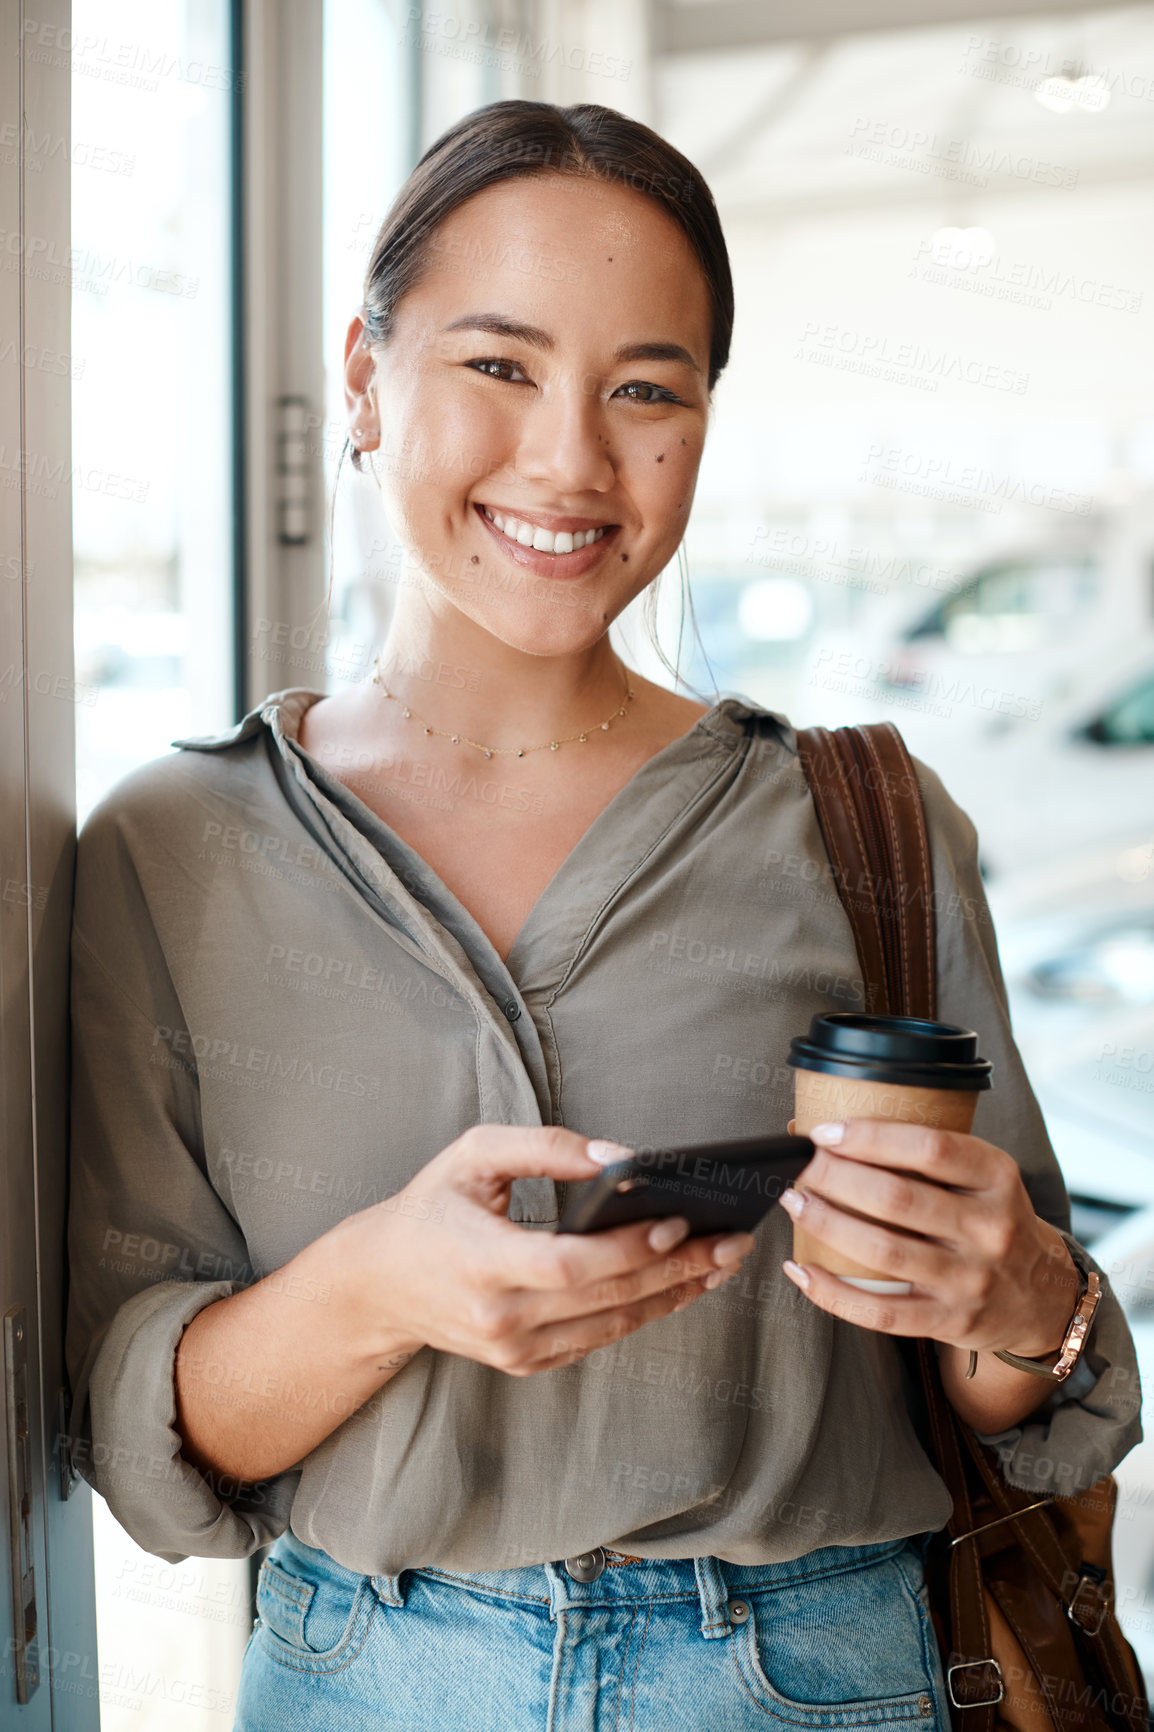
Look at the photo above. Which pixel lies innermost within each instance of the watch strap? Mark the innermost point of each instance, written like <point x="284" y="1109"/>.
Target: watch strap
<point x="1072" y="1342"/>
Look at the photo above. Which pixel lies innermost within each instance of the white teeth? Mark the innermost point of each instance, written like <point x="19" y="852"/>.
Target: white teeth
<point x="543" y="540"/>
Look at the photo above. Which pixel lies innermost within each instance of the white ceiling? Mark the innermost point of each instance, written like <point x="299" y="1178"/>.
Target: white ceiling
<point x="893" y="118"/>
<point x="688" y="26"/>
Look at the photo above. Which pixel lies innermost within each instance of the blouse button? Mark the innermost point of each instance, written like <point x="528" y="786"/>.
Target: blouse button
<point x="512" y="1010"/>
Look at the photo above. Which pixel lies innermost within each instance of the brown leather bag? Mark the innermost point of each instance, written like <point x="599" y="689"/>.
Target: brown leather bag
<point x="1021" y="1587"/>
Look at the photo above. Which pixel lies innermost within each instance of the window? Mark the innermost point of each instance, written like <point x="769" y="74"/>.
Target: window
<point x="1130" y="720"/>
<point x="367" y="151"/>
<point x="152" y="456"/>
<point x="151" y="398"/>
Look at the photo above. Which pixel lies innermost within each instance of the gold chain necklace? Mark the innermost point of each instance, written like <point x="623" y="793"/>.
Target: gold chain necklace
<point x="457" y="739"/>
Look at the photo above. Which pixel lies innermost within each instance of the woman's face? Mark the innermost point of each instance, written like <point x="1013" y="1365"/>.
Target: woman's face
<point x="549" y="372"/>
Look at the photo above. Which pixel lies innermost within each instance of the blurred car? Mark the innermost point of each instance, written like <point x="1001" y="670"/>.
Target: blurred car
<point x="1033" y="673"/>
<point x="1016" y="627"/>
<point x="1077" y="946"/>
<point x="1038" y="789"/>
<point x="1097" y="1095"/>
<point x="1074" y="937"/>
<point x="1076" y="941"/>
<point x="1010" y="634"/>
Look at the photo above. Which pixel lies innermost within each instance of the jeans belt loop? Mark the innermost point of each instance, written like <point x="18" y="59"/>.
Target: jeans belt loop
<point x="714" y="1597"/>
<point x="389" y="1589"/>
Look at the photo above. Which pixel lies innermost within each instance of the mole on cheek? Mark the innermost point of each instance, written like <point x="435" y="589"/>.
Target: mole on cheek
<point x="474" y="559"/>
<point x="661" y="458"/>
<point x="624" y="556"/>
<point x="683" y="441"/>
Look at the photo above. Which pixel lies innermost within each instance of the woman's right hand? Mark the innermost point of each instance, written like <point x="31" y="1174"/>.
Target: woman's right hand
<point x="440" y="1264"/>
<point x="265" y="1375"/>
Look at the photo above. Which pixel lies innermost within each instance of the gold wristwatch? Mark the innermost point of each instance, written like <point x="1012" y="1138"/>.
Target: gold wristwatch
<point x="1072" y="1342"/>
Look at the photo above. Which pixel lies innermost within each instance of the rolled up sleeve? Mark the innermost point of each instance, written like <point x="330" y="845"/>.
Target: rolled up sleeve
<point x="1093" y="1419"/>
<point x="150" y="1242"/>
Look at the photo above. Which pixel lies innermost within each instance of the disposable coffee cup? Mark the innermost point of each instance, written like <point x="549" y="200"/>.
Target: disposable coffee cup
<point x="901" y="1068"/>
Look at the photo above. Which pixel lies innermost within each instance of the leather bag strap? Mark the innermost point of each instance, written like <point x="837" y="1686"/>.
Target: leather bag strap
<point x="870" y="813"/>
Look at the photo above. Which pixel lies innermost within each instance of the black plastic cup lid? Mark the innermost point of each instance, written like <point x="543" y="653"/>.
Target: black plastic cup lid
<point x="907" y="1051"/>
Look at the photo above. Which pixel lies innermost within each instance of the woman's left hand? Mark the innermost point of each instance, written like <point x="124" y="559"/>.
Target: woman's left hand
<point x="952" y="1216"/>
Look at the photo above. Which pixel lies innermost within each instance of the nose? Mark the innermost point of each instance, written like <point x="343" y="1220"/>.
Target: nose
<point x="565" y="439"/>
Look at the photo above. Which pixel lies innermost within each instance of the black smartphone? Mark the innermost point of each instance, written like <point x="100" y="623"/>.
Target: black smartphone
<point x="717" y="1187"/>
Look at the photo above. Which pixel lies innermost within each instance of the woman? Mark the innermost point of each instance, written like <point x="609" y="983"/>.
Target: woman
<point x="358" y="981"/>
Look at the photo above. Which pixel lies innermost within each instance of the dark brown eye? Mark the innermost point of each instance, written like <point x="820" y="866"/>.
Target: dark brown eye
<point x="494" y="368"/>
<point x="663" y="395"/>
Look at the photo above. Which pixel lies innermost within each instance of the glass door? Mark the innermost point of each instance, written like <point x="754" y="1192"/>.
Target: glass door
<point x="154" y="86"/>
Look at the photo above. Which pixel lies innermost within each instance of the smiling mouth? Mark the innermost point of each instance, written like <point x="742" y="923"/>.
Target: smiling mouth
<point x="561" y="541"/>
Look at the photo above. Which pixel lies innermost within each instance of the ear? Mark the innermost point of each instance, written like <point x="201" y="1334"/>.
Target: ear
<point x="360" y="400"/>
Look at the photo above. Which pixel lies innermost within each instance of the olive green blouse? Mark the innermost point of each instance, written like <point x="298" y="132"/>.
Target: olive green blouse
<point x="280" y="1014"/>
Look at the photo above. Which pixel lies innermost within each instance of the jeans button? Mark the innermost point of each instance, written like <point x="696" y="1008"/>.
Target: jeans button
<point x="738" y="1611"/>
<point x="586" y="1566"/>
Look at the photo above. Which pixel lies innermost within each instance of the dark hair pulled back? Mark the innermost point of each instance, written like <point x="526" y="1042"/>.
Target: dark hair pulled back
<point x="518" y="137"/>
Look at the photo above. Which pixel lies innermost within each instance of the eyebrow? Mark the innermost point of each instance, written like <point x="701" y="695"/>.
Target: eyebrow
<point x="497" y="325"/>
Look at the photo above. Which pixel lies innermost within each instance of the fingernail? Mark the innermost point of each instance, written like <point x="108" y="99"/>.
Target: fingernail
<point x="796" y="1273"/>
<point x="733" y="1248"/>
<point x="720" y="1277"/>
<point x="605" y="1153"/>
<point x="793" y="1202"/>
<point x="666" y="1234"/>
<point x="827" y="1133"/>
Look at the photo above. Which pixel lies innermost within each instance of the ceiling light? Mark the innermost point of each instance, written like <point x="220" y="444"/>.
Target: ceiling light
<point x="1089" y="94"/>
<point x="1134" y="865"/>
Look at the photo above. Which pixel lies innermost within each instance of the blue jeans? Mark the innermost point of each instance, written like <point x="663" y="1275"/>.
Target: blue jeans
<point x="840" y="1637"/>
